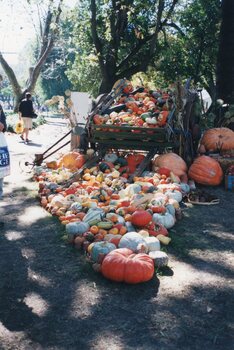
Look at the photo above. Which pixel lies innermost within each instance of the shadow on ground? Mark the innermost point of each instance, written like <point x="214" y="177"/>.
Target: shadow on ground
<point x="51" y="295"/>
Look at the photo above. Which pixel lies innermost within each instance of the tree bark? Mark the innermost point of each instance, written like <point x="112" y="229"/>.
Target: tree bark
<point x="225" y="59"/>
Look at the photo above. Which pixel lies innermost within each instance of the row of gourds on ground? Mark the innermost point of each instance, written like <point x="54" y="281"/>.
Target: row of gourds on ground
<point x="121" y="225"/>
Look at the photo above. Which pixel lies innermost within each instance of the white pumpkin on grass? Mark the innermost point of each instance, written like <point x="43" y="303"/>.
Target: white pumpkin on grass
<point x="159" y="199"/>
<point x="174" y="194"/>
<point x="167" y="220"/>
<point x="174" y="203"/>
<point x="185" y="187"/>
<point x="160" y="258"/>
<point x="76" y="228"/>
<point x="58" y="201"/>
<point x="153" y="243"/>
<point x="171" y="209"/>
<point x="131" y="240"/>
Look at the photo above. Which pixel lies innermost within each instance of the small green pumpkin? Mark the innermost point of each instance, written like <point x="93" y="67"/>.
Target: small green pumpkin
<point x="121" y="161"/>
<point x="93" y="215"/>
<point x="103" y="166"/>
<point x="146" y="115"/>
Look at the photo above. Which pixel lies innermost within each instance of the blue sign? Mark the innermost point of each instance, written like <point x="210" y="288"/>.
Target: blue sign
<point x="4" y="157"/>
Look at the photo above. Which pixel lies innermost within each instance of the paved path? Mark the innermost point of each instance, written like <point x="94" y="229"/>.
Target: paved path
<point x="42" y="138"/>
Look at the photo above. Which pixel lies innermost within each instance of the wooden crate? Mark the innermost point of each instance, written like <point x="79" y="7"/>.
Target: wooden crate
<point x="128" y="137"/>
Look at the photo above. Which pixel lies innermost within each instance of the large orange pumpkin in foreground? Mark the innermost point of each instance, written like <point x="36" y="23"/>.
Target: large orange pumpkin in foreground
<point x="218" y="139"/>
<point x="122" y="265"/>
<point x="71" y="160"/>
<point x="206" y="171"/>
<point x="172" y="162"/>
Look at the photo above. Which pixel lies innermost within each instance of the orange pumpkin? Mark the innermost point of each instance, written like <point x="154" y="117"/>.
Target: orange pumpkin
<point x="122" y="265"/>
<point x="206" y="171"/>
<point x="97" y="119"/>
<point x="162" y="118"/>
<point x="172" y="162"/>
<point x="141" y="218"/>
<point x="52" y="164"/>
<point x="218" y="139"/>
<point x="72" y="160"/>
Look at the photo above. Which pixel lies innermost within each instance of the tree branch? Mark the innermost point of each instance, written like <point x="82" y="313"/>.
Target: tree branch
<point x="134" y="51"/>
<point x="173" y="25"/>
<point x="154" y="39"/>
<point x="170" y="11"/>
<point x="96" y="40"/>
<point x="47" y="45"/>
<point x="11" y="75"/>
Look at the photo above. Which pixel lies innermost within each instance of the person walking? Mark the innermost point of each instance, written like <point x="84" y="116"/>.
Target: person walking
<point x="4" y="153"/>
<point x="26" y="113"/>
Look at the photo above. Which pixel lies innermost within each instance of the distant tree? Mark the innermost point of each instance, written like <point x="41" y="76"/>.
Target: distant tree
<point x="48" y="31"/>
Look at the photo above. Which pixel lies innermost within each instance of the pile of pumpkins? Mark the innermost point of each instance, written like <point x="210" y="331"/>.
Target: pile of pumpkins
<point x="120" y="225"/>
<point x="137" y="108"/>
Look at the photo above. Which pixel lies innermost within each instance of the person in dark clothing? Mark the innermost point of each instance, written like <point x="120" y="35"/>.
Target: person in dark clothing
<point x="4" y="153"/>
<point x="26" y="114"/>
<point x="3" y="120"/>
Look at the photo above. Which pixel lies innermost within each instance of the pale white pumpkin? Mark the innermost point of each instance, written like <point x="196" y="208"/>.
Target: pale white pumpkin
<point x="159" y="199"/>
<point x="174" y="194"/>
<point x="153" y="243"/>
<point x="144" y="233"/>
<point x="167" y="220"/>
<point x="171" y="209"/>
<point x="160" y="258"/>
<point x="132" y="189"/>
<point x="185" y="187"/>
<point x="131" y="240"/>
<point x="76" y="228"/>
<point x="59" y="201"/>
<point x="174" y="203"/>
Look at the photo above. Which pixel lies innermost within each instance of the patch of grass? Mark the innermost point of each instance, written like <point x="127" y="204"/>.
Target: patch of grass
<point x="178" y="244"/>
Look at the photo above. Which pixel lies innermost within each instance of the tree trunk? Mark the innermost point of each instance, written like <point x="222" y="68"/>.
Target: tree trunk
<point x="225" y="66"/>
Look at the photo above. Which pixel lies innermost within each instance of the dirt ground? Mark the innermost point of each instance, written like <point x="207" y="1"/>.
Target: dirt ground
<point x="50" y="298"/>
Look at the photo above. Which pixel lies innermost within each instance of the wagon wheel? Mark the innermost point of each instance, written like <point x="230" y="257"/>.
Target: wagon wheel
<point x="27" y="163"/>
